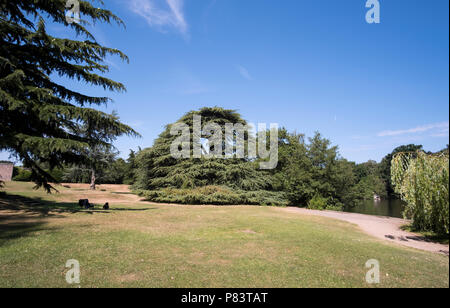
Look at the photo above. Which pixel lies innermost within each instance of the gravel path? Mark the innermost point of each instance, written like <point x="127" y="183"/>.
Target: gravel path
<point x="387" y="228"/>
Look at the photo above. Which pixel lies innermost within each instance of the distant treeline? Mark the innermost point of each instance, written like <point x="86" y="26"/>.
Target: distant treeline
<point x="310" y="172"/>
<point x="312" y="186"/>
<point x="115" y="170"/>
<point x="329" y="181"/>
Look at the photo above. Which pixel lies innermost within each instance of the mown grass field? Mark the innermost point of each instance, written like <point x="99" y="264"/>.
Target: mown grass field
<point x="139" y="244"/>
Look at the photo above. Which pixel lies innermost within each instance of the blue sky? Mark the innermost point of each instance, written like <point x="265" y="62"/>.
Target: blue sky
<point x="308" y="65"/>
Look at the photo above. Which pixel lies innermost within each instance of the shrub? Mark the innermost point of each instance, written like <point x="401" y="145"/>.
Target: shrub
<point x="22" y="175"/>
<point x="321" y="203"/>
<point x="215" y="195"/>
<point x="318" y="203"/>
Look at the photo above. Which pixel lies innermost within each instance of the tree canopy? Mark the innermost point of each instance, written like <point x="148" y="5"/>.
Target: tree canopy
<point x="385" y="165"/>
<point x="39" y="117"/>
<point x="157" y="168"/>
<point x="422" y="181"/>
<point x="308" y="170"/>
<point x="313" y="169"/>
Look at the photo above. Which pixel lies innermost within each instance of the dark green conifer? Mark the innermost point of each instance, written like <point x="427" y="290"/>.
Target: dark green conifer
<point x="158" y="169"/>
<point x="38" y="116"/>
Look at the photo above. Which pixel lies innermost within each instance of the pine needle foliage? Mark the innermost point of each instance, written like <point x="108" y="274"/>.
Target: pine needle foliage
<point x="165" y="176"/>
<point x="38" y="116"/>
<point x="157" y="168"/>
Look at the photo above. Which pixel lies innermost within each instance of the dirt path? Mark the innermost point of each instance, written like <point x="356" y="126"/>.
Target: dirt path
<point x="386" y="228"/>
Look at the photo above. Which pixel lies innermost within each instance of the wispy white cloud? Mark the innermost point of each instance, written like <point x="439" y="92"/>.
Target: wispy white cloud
<point x="435" y="128"/>
<point x="162" y="14"/>
<point x="244" y="72"/>
<point x="443" y="132"/>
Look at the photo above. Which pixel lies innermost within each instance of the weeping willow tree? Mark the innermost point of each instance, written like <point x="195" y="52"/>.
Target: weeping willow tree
<point x="38" y="115"/>
<point x="422" y="181"/>
<point x="164" y="178"/>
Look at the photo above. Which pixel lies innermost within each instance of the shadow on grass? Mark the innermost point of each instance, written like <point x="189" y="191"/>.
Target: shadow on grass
<point x="16" y="222"/>
<point x="20" y="227"/>
<point x="426" y="236"/>
<point x="22" y="216"/>
<point x="47" y="208"/>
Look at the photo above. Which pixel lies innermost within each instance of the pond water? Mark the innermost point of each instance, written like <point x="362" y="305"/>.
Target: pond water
<point x="389" y="207"/>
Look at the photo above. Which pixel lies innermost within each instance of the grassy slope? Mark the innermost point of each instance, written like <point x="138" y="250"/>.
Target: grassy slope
<point x="145" y="245"/>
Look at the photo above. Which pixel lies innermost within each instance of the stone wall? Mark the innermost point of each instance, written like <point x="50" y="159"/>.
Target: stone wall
<point x="6" y="171"/>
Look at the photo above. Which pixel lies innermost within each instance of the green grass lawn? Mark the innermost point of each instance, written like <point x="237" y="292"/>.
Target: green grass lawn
<point x="139" y="244"/>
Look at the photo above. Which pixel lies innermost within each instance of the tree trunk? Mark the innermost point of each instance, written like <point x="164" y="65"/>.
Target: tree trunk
<point x="92" y="179"/>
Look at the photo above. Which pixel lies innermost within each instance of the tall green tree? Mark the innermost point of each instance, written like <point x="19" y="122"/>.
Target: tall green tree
<point x="293" y="172"/>
<point x="131" y="166"/>
<point x="157" y="168"/>
<point x="313" y="169"/>
<point x="38" y="116"/>
<point x="370" y="181"/>
<point x="422" y="181"/>
<point x="103" y="167"/>
<point x="385" y="165"/>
